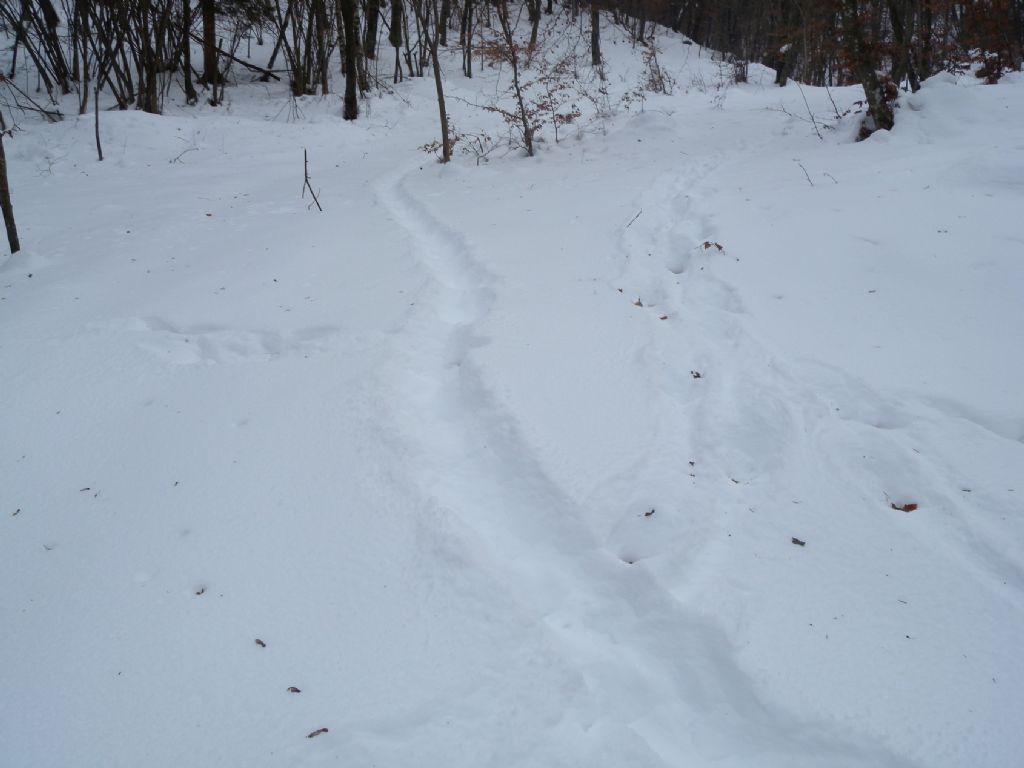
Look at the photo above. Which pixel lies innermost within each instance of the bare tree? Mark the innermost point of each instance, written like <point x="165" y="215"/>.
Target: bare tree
<point x="428" y="18"/>
<point x="512" y="54"/>
<point x="347" y="12"/>
<point x="5" y="194"/>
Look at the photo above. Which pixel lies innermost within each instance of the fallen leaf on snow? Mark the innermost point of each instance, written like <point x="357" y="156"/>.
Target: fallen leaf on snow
<point x="904" y="507"/>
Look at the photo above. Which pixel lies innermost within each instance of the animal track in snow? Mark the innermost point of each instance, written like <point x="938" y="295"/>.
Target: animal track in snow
<point x="209" y="344"/>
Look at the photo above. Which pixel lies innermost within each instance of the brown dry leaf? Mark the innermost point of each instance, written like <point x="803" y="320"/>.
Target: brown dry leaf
<point x="710" y="244"/>
<point x="799" y="542"/>
<point x="260" y="643"/>
<point x="293" y="689"/>
<point x="317" y="732"/>
<point x="904" y="507"/>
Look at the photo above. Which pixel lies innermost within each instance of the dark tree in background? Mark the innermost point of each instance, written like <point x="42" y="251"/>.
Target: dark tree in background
<point x="5" y="195"/>
<point x="136" y="51"/>
<point x="348" y="19"/>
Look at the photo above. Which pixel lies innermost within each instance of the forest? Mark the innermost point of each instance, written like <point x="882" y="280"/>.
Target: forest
<point x="136" y="50"/>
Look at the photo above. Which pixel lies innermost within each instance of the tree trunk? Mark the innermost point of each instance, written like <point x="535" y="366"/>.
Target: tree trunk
<point x="446" y="145"/>
<point x="5" y="199"/>
<point x="370" y="33"/>
<point x="466" y="38"/>
<point x="348" y="18"/>
<point x="513" y="56"/>
<point x="395" y="36"/>
<point x="595" y="35"/>
<point x="209" y="10"/>
<point x="191" y="97"/>
<point x="880" y="114"/>
<point x="442" y="22"/>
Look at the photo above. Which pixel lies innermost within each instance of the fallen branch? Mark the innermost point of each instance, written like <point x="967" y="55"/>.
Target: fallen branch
<point x="246" y="64"/>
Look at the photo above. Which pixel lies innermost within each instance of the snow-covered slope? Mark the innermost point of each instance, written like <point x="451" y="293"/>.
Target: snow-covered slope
<point x="505" y="463"/>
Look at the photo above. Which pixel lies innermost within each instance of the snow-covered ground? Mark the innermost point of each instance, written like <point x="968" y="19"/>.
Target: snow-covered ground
<point x="504" y="463"/>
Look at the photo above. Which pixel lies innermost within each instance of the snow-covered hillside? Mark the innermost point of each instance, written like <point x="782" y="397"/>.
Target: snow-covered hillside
<point x="693" y="440"/>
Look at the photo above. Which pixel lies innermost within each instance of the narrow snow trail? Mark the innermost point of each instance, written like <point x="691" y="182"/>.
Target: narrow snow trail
<point x="785" y="445"/>
<point x="660" y="681"/>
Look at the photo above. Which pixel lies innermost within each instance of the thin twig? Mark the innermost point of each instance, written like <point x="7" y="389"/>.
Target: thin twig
<point x="53" y="116"/>
<point x="306" y="185"/>
<point x="838" y="116"/>
<point x="634" y="219"/>
<point x="813" y="121"/>
<point x="805" y="173"/>
<point x="184" y="152"/>
<point x="247" y="65"/>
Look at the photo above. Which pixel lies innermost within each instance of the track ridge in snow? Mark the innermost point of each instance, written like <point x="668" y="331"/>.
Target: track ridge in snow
<point x="650" y="666"/>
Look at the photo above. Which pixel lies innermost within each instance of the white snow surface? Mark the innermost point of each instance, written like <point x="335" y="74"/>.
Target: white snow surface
<point x="502" y="462"/>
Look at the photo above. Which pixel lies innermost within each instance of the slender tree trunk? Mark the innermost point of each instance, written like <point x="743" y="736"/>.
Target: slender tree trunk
<point x="903" y="58"/>
<point x="82" y="8"/>
<point x="322" y="27"/>
<point x="427" y="13"/>
<point x="209" y="10"/>
<point x="348" y="18"/>
<point x="395" y="36"/>
<point x="595" y="35"/>
<point x="5" y="195"/>
<point x="446" y="145"/>
<point x="466" y="38"/>
<point x="186" y="51"/>
<point x="96" y="117"/>
<point x="442" y="22"/>
<point x="513" y="56"/>
<point x="370" y="33"/>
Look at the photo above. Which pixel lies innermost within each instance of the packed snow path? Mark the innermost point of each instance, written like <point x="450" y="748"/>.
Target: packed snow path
<point x="596" y="459"/>
<point x="643" y="659"/>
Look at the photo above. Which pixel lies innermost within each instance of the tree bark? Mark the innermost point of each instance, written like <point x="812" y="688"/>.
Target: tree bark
<point x="348" y="19"/>
<point x="211" y="76"/>
<point x="370" y="33"/>
<point x="5" y="199"/>
<point x="880" y="113"/>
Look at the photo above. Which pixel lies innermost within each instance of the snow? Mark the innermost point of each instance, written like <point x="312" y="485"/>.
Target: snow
<point x="502" y="462"/>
